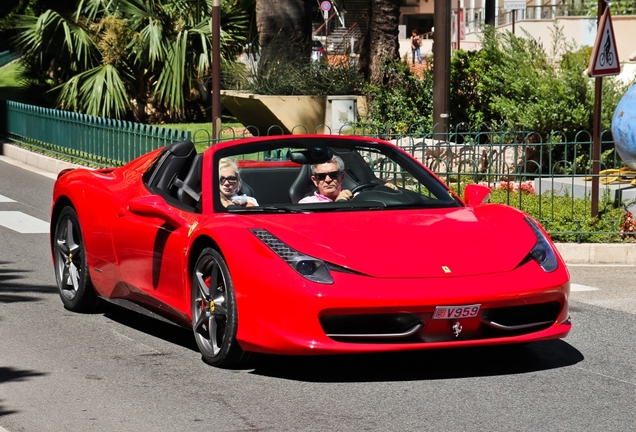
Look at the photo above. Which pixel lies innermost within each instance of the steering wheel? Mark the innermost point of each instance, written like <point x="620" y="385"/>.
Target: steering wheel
<point x="363" y="186"/>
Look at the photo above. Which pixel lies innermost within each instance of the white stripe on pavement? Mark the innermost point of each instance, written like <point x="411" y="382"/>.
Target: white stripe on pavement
<point x="5" y="199"/>
<point x="578" y="288"/>
<point x="23" y="223"/>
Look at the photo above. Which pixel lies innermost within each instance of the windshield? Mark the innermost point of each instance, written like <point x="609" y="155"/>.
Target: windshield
<point x="323" y="175"/>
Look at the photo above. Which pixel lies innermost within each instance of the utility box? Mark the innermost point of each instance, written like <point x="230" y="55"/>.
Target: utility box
<point x="340" y="111"/>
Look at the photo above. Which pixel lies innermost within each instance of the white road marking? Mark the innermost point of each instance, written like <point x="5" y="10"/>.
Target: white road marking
<point x="23" y="223"/>
<point x="5" y="199"/>
<point x="578" y="288"/>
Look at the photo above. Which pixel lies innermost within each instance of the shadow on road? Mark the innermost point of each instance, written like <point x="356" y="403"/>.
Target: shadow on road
<point x="11" y="374"/>
<point x="11" y="290"/>
<point x="402" y="366"/>
<point x="150" y="325"/>
<point x="421" y="365"/>
<point x="375" y="367"/>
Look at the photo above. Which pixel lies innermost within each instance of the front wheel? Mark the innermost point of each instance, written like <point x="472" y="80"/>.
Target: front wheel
<point x="214" y="316"/>
<point x="71" y="268"/>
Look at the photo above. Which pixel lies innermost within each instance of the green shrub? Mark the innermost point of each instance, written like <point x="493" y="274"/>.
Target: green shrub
<point x="567" y="219"/>
<point x="512" y="80"/>
<point x="309" y="80"/>
<point x="403" y="102"/>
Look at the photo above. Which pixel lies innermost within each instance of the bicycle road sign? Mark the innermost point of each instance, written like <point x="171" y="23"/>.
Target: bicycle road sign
<point x="604" y="60"/>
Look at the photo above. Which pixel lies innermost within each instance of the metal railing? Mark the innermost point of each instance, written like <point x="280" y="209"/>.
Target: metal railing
<point x="7" y="57"/>
<point x="548" y="177"/>
<point x="82" y="138"/>
<point x="547" y="10"/>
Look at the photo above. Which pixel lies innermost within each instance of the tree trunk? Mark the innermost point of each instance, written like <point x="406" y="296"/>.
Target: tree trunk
<point x="284" y="28"/>
<point x="381" y="41"/>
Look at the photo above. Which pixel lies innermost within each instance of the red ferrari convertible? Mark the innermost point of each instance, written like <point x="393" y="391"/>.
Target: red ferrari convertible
<point x="220" y="242"/>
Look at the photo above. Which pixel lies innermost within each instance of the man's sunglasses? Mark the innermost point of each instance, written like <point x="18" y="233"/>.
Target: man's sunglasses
<point x="230" y="179"/>
<point x="323" y="176"/>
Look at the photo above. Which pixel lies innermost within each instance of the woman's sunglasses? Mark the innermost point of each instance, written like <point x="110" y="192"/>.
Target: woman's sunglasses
<point x="323" y="176"/>
<point x="230" y="179"/>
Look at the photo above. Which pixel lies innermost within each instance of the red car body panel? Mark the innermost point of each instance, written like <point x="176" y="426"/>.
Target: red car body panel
<point x="393" y="261"/>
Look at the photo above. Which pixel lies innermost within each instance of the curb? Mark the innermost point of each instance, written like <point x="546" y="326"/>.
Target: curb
<point x="598" y="253"/>
<point x="572" y="253"/>
<point x="35" y="160"/>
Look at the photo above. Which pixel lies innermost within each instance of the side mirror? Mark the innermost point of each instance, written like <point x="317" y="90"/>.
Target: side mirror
<point x="155" y="206"/>
<point x="475" y="194"/>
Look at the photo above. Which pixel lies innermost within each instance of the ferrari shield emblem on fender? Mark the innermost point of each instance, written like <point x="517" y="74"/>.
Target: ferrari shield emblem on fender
<point x="446" y="269"/>
<point x="192" y="227"/>
<point x="457" y="329"/>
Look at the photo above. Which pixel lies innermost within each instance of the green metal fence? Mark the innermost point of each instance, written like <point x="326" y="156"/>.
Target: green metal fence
<point x="79" y="137"/>
<point x="7" y="57"/>
<point x="548" y="177"/>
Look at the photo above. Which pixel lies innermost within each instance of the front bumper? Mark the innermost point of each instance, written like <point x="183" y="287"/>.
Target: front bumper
<point x="291" y="315"/>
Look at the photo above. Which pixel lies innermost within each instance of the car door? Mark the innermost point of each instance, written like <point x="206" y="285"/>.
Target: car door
<point x="151" y="232"/>
<point x="150" y="250"/>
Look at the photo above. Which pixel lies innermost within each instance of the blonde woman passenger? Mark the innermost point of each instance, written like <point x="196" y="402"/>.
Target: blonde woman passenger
<point x="230" y="183"/>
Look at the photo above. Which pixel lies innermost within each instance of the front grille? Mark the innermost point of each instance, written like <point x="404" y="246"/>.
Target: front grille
<point x="407" y="328"/>
<point x="521" y="319"/>
<point x="371" y="326"/>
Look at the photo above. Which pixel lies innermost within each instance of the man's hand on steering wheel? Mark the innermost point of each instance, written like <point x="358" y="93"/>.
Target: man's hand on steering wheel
<point x="345" y="195"/>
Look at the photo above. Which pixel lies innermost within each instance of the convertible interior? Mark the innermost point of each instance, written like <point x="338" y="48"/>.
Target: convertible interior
<point x="282" y="177"/>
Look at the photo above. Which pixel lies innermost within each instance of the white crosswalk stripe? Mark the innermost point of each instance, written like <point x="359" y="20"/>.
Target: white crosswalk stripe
<point x="23" y="223"/>
<point x="5" y="199"/>
<point x="578" y="288"/>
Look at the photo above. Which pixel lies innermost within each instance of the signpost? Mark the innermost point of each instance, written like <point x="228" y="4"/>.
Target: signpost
<point x="604" y="62"/>
<point x="325" y="7"/>
<point x="514" y="5"/>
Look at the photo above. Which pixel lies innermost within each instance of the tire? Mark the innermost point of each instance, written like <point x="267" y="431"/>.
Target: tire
<point x="214" y="315"/>
<point x="71" y="269"/>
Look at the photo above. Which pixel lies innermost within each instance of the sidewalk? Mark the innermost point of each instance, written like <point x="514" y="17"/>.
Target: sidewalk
<point x="572" y="253"/>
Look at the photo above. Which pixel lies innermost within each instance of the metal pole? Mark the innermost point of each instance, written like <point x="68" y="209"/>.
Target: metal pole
<point x="596" y="144"/>
<point x="514" y="15"/>
<point x="490" y="12"/>
<point x="441" y="66"/>
<point x="216" y="70"/>
<point x="459" y="24"/>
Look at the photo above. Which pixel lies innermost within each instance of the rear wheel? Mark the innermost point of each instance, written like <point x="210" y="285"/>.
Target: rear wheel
<point x="214" y="317"/>
<point x="71" y="268"/>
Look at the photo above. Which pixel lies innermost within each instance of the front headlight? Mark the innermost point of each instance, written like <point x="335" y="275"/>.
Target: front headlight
<point x="312" y="268"/>
<point x="542" y="252"/>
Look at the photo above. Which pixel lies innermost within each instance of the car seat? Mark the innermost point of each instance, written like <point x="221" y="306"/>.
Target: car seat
<point x="189" y="189"/>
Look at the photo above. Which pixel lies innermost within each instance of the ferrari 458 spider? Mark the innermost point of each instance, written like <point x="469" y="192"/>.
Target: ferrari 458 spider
<point x="404" y="264"/>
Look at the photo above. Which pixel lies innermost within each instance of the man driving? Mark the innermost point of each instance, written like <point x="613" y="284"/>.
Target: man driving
<point x="328" y="177"/>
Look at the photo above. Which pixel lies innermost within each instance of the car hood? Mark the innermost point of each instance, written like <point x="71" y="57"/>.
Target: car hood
<point x="409" y="243"/>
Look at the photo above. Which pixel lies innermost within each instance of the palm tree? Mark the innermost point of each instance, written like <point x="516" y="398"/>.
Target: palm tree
<point x="123" y="58"/>
<point x="284" y="29"/>
<point x="381" y="43"/>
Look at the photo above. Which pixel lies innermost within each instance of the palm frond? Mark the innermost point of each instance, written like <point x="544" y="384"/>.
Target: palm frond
<point x="99" y="91"/>
<point x="169" y="89"/>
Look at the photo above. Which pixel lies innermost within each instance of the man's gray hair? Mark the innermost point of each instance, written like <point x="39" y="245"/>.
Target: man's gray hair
<point x="335" y="159"/>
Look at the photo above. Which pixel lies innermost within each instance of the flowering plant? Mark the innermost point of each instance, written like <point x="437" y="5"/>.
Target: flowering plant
<point x="510" y="186"/>
<point x="628" y="225"/>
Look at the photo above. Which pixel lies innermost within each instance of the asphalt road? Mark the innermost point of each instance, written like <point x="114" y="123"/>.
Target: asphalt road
<point x="116" y="370"/>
